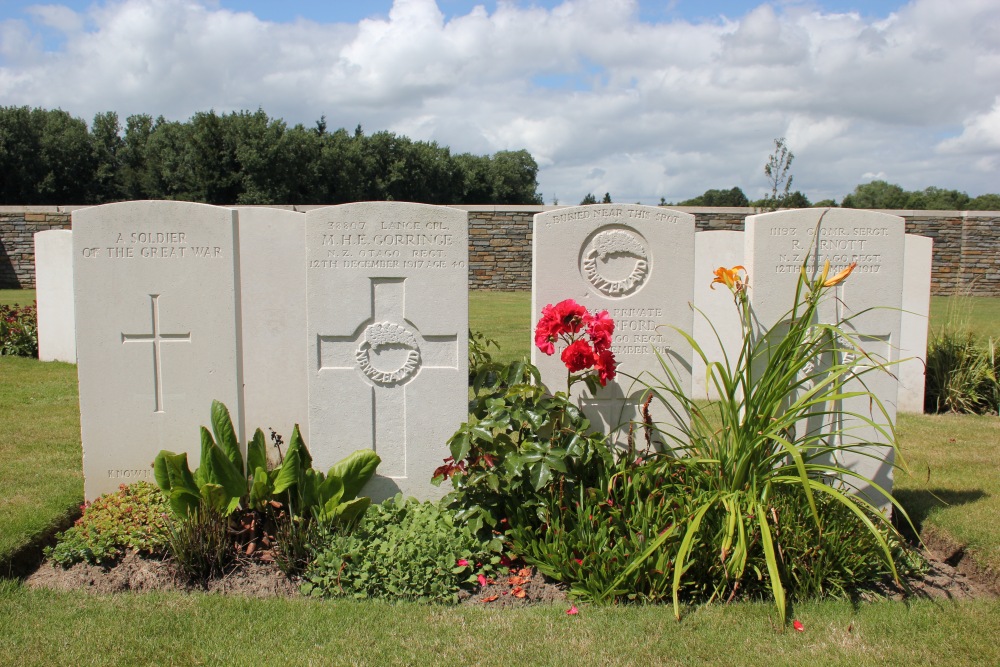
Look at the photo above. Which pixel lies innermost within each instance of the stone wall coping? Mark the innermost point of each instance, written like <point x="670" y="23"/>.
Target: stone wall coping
<point x="537" y="208"/>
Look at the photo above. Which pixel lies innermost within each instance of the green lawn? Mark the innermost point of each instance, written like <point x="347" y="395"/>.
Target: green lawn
<point x="41" y="480"/>
<point x="45" y="628"/>
<point x="954" y="488"/>
<point x="9" y="297"/>
<point x="980" y="314"/>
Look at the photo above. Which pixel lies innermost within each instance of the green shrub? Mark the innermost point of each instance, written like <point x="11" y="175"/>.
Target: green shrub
<point x="590" y="537"/>
<point x="479" y="352"/>
<point x="402" y="549"/>
<point x="262" y="506"/>
<point x="19" y="330"/>
<point x="135" y="517"/>
<point x="518" y="442"/>
<point x="595" y="540"/>
<point x="752" y="446"/>
<point x="962" y="373"/>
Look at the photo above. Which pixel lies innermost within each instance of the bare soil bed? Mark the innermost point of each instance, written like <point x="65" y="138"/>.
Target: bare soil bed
<point x="517" y="588"/>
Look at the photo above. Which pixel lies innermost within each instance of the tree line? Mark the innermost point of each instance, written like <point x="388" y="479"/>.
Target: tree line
<point x="49" y="157"/>
<point x="876" y="195"/>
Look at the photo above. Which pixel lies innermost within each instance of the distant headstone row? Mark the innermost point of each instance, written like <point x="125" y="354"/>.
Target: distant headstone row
<point x="352" y="320"/>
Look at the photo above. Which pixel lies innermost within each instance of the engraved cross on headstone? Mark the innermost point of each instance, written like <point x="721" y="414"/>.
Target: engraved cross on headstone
<point x="156" y="337"/>
<point x="386" y="352"/>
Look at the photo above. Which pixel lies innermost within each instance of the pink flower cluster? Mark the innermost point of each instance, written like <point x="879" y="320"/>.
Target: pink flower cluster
<point x="568" y="321"/>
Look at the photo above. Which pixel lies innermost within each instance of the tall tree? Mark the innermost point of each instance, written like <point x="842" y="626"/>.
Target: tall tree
<point x="776" y="169"/>
<point x="732" y="197"/>
<point x="107" y="143"/>
<point x="877" y="194"/>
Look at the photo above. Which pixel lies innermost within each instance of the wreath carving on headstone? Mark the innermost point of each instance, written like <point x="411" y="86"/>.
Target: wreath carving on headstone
<point x="615" y="242"/>
<point x="382" y="335"/>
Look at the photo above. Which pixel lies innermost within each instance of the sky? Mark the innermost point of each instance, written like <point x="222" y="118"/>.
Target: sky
<point x="636" y="98"/>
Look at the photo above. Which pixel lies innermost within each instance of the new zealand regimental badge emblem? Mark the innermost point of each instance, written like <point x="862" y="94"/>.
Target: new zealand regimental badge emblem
<point x="383" y="336"/>
<point x="615" y="261"/>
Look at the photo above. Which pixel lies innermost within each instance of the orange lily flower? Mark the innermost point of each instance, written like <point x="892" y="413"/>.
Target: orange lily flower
<point x="730" y="278"/>
<point x="840" y="277"/>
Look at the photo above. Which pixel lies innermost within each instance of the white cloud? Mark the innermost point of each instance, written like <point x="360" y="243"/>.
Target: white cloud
<point x="653" y="109"/>
<point x="980" y="135"/>
<point x="59" y="17"/>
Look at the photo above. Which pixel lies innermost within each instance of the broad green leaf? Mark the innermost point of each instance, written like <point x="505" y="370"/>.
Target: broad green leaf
<point x="355" y="471"/>
<point x="330" y="491"/>
<point x="228" y="476"/>
<point x="160" y="470"/>
<point x="204" y="462"/>
<point x="349" y="512"/>
<point x="260" y="489"/>
<point x="308" y="490"/>
<point x="459" y="443"/>
<point x="214" y="496"/>
<point x="225" y="434"/>
<point x="184" y="492"/>
<point x="296" y="462"/>
<point x="540" y="474"/>
<point x="256" y="453"/>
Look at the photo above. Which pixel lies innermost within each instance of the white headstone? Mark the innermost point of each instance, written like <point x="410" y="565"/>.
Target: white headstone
<point x="776" y="246"/>
<point x="273" y="287"/>
<point x="636" y="262"/>
<point x="915" y="318"/>
<point x="54" y="293"/>
<point x="388" y="319"/>
<point x="158" y="331"/>
<point x="716" y="317"/>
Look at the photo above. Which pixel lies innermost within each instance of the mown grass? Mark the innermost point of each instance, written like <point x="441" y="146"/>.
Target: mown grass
<point x="23" y="297"/>
<point x="506" y="318"/>
<point x="980" y="314"/>
<point x="43" y="628"/>
<point x="41" y="479"/>
<point x="953" y="482"/>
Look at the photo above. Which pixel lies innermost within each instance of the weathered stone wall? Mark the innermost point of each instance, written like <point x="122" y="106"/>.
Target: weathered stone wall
<point x="18" y="225"/>
<point x="966" y="244"/>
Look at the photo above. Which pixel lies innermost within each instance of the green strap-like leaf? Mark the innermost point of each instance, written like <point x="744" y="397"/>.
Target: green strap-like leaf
<point x="355" y="471"/>
<point x="685" y="549"/>
<point x="773" y="571"/>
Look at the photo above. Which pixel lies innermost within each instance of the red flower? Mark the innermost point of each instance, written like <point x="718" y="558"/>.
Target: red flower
<point x="798" y="625"/>
<point x="578" y="356"/>
<point x="572" y="611"/>
<point x="482" y="579"/>
<point x="462" y="562"/>
<point x="545" y="336"/>
<point x="570" y="316"/>
<point x="606" y="366"/>
<point x="601" y="330"/>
